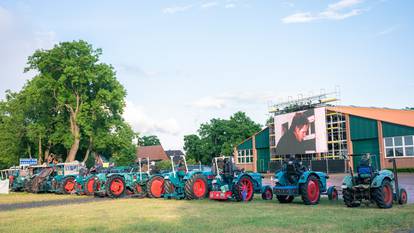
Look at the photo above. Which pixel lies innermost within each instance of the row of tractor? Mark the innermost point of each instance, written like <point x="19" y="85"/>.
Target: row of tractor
<point x="221" y="181"/>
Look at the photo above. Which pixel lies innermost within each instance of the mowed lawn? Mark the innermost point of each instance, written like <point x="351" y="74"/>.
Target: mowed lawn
<point x="158" y="215"/>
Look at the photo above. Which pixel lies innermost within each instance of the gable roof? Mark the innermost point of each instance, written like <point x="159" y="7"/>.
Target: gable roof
<point x="153" y="152"/>
<point x="174" y="153"/>
<point x="396" y="116"/>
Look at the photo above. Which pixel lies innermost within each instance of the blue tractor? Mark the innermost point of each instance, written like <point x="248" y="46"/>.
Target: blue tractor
<point x="182" y="183"/>
<point x="294" y="179"/>
<point x="372" y="185"/>
<point x="229" y="183"/>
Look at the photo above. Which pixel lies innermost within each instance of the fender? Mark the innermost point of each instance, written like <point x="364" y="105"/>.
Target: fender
<point x="382" y="175"/>
<point x="347" y="182"/>
<point x="320" y="175"/>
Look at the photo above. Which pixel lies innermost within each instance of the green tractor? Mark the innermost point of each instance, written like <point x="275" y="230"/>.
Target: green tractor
<point x="121" y="181"/>
<point x="372" y="185"/>
<point x="294" y="179"/>
<point x="182" y="183"/>
<point x="84" y="183"/>
<point x="229" y="183"/>
<point x="64" y="177"/>
<point x="16" y="177"/>
<point x="41" y="180"/>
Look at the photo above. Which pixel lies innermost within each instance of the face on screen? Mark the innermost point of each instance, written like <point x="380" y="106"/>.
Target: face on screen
<point x="301" y="132"/>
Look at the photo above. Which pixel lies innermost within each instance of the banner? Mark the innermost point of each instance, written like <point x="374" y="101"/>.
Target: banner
<point x="302" y="132"/>
<point x="4" y="186"/>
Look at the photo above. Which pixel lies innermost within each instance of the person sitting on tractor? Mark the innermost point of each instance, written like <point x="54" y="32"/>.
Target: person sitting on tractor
<point x="364" y="169"/>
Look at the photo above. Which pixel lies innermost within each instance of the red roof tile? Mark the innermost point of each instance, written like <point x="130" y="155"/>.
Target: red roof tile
<point x="153" y="152"/>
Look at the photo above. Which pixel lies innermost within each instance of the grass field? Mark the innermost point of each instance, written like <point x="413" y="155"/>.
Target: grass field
<point x="155" y="215"/>
<point x="27" y="197"/>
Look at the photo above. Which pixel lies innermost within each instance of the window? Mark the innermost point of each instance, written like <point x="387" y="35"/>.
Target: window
<point x="245" y="156"/>
<point x="399" y="146"/>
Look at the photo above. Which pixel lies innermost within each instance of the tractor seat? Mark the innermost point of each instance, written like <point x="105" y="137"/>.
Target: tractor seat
<point x="365" y="172"/>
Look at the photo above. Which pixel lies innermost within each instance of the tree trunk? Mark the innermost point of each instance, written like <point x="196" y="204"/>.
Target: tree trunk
<point x="74" y="129"/>
<point x="40" y="151"/>
<point x="88" y="150"/>
<point x="47" y="152"/>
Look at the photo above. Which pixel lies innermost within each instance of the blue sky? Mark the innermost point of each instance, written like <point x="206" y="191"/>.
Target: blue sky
<point x="185" y="62"/>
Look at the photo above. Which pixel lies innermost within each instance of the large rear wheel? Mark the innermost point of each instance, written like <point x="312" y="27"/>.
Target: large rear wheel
<point x="383" y="195"/>
<point x="115" y="187"/>
<point x="243" y="190"/>
<point x="196" y="187"/>
<point x="155" y="187"/>
<point x="168" y="187"/>
<point x="68" y="185"/>
<point x="88" y="186"/>
<point x="349" y="199"/>
<point x="310" y="191"/>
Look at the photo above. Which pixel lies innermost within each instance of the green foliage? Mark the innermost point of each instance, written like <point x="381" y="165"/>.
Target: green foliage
<point x="218" y="137"/>
<point x="72" y="107"/>
<point x="151" y="140"/>
<point x="163" y="165"/>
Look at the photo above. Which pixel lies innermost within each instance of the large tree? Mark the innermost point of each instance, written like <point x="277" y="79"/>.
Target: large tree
<point x="219" y="136"/>
<point x="84" y="90"/>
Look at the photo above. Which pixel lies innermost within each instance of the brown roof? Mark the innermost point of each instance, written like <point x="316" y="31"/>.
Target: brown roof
<point x="396" y="116"/>
<point x="153" y="152"/>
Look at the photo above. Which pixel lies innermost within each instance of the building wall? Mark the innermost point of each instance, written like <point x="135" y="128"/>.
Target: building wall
<point x="394" y="130"/>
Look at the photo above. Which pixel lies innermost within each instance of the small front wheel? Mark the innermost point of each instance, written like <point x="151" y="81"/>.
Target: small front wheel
<point x="267" y="194"/>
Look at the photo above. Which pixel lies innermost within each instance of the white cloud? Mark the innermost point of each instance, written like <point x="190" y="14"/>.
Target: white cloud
<point x="146" y="124"/>
<point x="337" y="11"/>
<point x="176" y="9"/>
<point x="209" y="4"/>
<point x="226" y="99"/>
<point x="230" y="5"/>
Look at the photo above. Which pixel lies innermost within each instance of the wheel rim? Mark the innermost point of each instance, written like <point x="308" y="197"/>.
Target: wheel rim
<point x="70" y="185"/>
<point x="157" y="187"/>
<point x="246" y="186"/>
<point x="404" y="197"/>
<point x="117" y="186"/>
<point x="268" y="194"/>
<point x="387" y="194"/>
<point x="138" y="188"/>
<point x="199" y="188"/>
<point x="313" y="191"/>
<point x="89" y="185"/>
<point x="334" y="195"/>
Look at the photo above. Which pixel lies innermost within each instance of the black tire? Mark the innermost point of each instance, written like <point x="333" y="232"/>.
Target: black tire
<point x="189" y="187"/>
<point x="267" y="194"/>
<point x="121" y="184"/>
<point x="307" y="194"/>
<point x="349" y="200"/>
<point x="285" y="198"/>
<point x="64" y="182"/>
<point x="168" y="187"/>
<point x="237" y="189"/>
<point x="85" y="186"/>
<point x="402" y="199"/>
<point x="149" y="186"/>
<point x="28" y="186"/>
<point x="383" y="195"/>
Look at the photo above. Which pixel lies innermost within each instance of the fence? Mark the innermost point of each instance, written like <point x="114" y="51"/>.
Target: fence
<point x="328" y="165"/>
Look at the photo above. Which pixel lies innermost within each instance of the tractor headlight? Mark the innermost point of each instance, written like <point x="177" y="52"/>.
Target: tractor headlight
<point x="214" y="181"/>
<point x="166" y="177"/>
<point x="344" y="186"/>
<point x="276" y="180"/>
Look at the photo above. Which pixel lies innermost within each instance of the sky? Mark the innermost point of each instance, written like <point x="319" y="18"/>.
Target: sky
<point x="185" y="62"/>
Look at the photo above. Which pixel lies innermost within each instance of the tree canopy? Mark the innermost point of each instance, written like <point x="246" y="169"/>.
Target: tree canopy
<point x="72" y="107"/>
<point x="218" y="137"/>
<point x="151" y="140"/>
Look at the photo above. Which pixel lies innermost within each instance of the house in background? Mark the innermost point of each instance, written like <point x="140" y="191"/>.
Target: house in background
<point x="155" y="153"/>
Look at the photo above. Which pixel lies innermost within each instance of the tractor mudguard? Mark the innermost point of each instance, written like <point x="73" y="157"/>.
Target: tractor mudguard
<point x="320" y="175"/>
<point x="191" y="174"/>
<point x="255" y="177"/>
<point x="383" y="174"/>
<point x="347" y="182"/>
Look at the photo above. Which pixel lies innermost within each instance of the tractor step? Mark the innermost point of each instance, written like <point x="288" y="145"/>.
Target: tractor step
<point x="218" y="195"/>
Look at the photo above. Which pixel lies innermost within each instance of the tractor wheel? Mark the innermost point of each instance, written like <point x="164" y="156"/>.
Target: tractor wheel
<point x="140" y="191"/>
<point x="383" y="195"/>
<point x="89" y="186"/>
<point x="332" y="193"/>
<point x="115" y="187"/>
<point x="155" y="187"/>
<point x="310" y="191"/>
<point x="68" y="185"/>
<point x="349" y="198"/>
<point x="285" y="198"/>
<point x="168" y="187"/>
<point x="243" y="190"/>
<point x="267" y="194"/>
<point x="402" y="200"/>
<point x="196" y="187"/>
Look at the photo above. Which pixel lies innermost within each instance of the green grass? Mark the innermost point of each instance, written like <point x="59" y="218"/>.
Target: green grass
<point x="27" y="197"/>
<point x="155" y="215"/>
